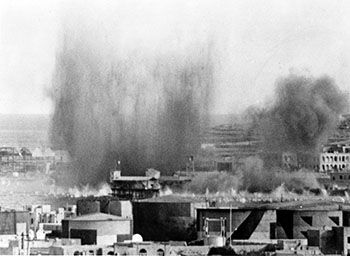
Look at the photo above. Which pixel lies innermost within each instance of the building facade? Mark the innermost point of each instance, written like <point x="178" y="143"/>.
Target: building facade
<point x="98" y="228"/>
<point x="335" y="157"/>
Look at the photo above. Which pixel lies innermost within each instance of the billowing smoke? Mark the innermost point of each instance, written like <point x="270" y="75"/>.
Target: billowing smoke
<point x="213" y="182"/>
<point x="146" y="108"/>
<point x="253" y="177"/>
<point x="303" y="114"/>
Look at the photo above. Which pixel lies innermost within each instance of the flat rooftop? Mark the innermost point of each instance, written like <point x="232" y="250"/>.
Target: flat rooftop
<point x="175" y="199"/>
<point x="97" y="217"/>
<point x="312" y="204"/>
<point x="305" y="205"/>
<point x="134" y="178"/>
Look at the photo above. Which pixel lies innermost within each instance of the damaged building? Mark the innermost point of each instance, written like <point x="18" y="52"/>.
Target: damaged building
<point x="135" y="187"/>
<point x="335" y="156"/>
<point x="335" y="164"/>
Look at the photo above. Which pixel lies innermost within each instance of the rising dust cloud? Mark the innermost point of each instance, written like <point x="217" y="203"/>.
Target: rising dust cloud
<point x="148" y="109"/>
<point x="253" y="177"/>
<point x="145" y="109"/>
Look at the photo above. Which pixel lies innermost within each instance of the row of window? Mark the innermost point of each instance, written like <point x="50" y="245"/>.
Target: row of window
<point x="327" y="159"/>
<point x="342" y="177"/>
<point x="329" y="167"/>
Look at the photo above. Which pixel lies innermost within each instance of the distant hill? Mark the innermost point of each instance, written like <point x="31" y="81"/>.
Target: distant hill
<point x="24" y="122"/>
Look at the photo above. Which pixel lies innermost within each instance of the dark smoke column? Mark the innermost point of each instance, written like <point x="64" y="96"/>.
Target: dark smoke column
<point x="303" y="115"/>
<point x="147" y="110"/>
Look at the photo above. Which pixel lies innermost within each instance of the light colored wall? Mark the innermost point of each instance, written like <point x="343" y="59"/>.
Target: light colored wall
<point x="126" y="209"/>
<point x="262" y="231"/>
<point x="117" y="227"/>
<point x="320" y="220"/>
<point x="106" y="239"/>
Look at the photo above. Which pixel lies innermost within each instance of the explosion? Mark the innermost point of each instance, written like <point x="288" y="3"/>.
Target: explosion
<point x="303" y="115"/>
<point x="147" y="110"/>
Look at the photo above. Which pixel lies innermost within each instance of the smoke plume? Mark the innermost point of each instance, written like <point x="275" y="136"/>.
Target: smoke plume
<point x="146" y="108"/>
<point x="253" y="177"/>
<point x="302" y="116"/>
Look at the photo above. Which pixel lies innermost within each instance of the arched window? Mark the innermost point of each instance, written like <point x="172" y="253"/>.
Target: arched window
<point x="110" y="253"/>
<point x="340" y="177"/>
<point x="335" y="159"/>
<point x="76" y="253"/>
<point x="143" y="252"/>
<point x="160" y="252"/>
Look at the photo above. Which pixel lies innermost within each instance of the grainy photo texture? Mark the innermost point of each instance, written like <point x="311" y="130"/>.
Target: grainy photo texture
<point x="174" y="127"/>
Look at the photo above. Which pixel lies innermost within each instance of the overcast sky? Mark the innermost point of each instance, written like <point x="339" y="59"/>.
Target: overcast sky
<point x="256" y="43"/>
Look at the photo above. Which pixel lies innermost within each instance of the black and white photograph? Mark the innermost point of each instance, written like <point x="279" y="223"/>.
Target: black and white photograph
<point x="175" y="127"/>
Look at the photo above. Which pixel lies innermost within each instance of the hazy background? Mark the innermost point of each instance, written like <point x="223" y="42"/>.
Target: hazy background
<point x="256" y="41"/>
